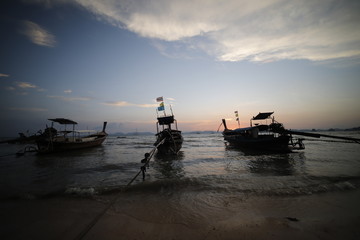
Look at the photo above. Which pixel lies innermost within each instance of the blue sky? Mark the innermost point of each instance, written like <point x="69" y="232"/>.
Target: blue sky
<point x="108" y="60"/>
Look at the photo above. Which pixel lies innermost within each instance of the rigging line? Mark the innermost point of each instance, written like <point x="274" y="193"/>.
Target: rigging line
<point x="83" y="233"/>
<point x="219" y="127"/>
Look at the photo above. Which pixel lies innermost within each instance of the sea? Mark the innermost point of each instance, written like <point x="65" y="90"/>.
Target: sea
<point x="206" y="163"/>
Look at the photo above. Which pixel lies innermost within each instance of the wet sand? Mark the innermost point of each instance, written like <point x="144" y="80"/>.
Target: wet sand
<point x="184" y="215"/>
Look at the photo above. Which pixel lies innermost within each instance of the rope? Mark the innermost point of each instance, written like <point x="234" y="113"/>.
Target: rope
<point x="97" y="218"/>
<point x="219" y="127"/>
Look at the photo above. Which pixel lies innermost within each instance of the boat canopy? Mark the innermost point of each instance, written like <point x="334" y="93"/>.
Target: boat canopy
<point x="262" y="116"/>
<point x="63" y="121"/>
<point x="166" y="120"/>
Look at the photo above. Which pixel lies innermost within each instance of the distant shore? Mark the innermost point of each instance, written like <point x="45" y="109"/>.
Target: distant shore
<point x="334" y="215"/>
<point x="213" y="132"/>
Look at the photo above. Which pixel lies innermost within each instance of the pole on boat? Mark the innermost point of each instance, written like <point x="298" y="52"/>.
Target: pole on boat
<point x="318" y="135"/>
<point x="224" y="123"/>
<point x="171" y="110"/>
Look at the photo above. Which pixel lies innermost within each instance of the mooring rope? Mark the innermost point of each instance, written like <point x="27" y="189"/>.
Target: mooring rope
<point x="83" y="233"/>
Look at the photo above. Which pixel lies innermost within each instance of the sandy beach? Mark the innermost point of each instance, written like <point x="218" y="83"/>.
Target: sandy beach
<point x="138" y="215"/>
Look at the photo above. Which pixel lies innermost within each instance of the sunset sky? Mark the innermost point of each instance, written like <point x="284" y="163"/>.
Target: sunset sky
<point x="107" y="60"/>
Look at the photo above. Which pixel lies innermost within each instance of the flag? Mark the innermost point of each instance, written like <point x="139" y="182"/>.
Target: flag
<point x="159" y="99"/>
<point x="161" y="107"/>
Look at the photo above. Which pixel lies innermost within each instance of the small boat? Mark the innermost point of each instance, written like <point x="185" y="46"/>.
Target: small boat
<point x="52" y="140"/>
<point x="262" y="137"/>
<point x="168" y="140"/>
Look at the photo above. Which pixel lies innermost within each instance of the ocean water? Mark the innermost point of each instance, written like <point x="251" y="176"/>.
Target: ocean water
<point x="206" y="163"/>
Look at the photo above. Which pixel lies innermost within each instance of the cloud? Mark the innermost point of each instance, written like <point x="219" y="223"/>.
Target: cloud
<point x="70" y="99"/>
<point x="38" y="35"/>
<point x="29" y="109"/>
<point x="4" y="75"/>
<point x="125" y="104"/>
<point x="68" y="91"/>
<point x="238" y="30"/>
<point x="118" y="104"/>
<point x="25" y="85"/>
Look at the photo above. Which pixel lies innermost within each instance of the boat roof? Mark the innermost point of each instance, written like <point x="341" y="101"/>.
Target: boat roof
<point x="62" y="121"/>
<point x="166" y="120"/>
<point x="262" y="116"/>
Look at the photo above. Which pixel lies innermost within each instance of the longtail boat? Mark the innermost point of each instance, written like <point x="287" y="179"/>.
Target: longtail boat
<point x="53" y="140"/>
<point x="266" y="134"/>
<point x="168" y="138"/>
<point x="262" y="136"/>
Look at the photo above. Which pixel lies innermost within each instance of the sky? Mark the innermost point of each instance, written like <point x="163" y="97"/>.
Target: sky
<point x="107" y="60"/>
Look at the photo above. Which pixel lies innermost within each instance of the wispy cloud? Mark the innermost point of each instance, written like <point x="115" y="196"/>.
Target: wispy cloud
<point x="125" y="104"/>
<point x="26" y="85"/>
<point x="4" y="75"/>
<point x="68" y="91"/>
<point x="38" y="35"/>
<point x="238" y="30"/>
<point x="29" y="109"/>
<point x="118" y="103"/>
<point x="70" y="99"/>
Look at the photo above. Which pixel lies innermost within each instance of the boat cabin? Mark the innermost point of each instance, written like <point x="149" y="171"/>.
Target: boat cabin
<point x="166" y="121"/>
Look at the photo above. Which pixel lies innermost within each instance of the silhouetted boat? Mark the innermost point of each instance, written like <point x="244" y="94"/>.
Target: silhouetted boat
<point x="271" y="137"/>
<point x="262" y="137"/>
<point x="53" y="140"/>
<point x="173" y="138"/>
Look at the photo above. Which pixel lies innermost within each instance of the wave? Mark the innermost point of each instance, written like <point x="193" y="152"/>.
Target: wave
<point x="221" y="185"/>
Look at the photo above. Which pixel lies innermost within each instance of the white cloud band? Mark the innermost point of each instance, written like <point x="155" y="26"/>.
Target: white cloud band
<point x="236" y="30"/>
<point x="38" y="35"/>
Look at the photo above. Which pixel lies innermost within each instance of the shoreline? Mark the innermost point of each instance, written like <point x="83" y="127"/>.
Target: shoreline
<point x="184" y="215"/>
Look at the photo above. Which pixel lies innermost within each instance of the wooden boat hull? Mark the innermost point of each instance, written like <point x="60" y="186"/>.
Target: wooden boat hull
<point x="47" y="145"/>
<point x="172" y="144"/>
<point x="262" y="143"/>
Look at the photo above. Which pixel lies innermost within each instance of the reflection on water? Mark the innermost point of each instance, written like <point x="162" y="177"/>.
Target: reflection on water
<point x="280" y="164"/>
<point x="277" y="165"/>
<point x="169" y="166"/>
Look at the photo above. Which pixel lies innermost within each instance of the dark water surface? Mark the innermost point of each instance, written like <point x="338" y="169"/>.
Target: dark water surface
<point x="205" y="163"/>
